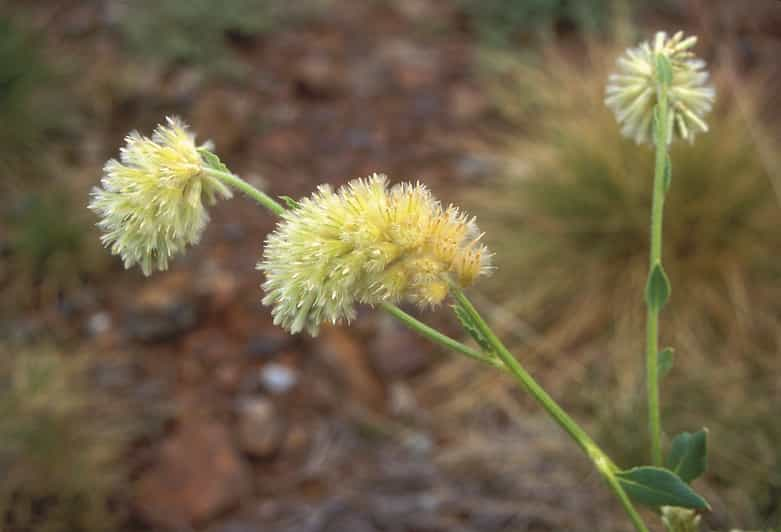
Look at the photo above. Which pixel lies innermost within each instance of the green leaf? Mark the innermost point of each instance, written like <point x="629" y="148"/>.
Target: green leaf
<point x="688" y="456"/>
<point x="290" y="202"/>
<point x="212" y="161"/>
<point x="471" y="327"/>
<point x="657" y="291"/>
<point x="656" y="486"/>
<point x="668" y="172"/>
<point x="665" y="361"/>
<point x="664" y="70"/>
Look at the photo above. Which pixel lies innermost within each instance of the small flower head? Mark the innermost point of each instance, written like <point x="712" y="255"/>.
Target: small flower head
<point x="366" y="243"/>
<point x="680" y="519"/>
<point x="151" y="201"/>
<point x="632" y="91"/>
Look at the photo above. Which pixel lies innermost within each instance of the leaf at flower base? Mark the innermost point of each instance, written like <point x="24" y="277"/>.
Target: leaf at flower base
<point x="657" y="290"/>
<point x="213" y="161"/>
<point x="664" y="70"/>
<point x="658" y="129"/>
<point x="656" y="486"/>
<point x="290" y="202"/>
<point x="471" y="327"/>
<point x="688" y="456"/>
<point x="665" y="361"/>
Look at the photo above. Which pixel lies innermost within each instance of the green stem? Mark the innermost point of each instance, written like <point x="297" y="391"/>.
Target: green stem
<point x="258" y="195"/>
<point x="655" y="257"/>
<point x="601" y="461"/>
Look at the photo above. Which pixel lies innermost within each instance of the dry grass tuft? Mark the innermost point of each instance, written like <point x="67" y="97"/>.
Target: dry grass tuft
<point x="569" y="222"/>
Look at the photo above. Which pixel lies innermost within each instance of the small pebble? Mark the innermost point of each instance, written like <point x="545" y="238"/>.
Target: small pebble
<point x="99" y="323"/>
<point x="278" y="379"/>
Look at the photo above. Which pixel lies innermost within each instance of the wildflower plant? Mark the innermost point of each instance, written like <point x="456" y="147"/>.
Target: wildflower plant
<point x="376" y="244"/>
<point x="661" y="93"/>
<point x="674" y="87"/>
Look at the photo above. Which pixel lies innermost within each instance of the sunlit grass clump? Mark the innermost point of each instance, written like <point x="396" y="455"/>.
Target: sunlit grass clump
<point x="571" y="218"/>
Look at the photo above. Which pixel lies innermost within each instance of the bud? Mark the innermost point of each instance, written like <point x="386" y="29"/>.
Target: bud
<point x="366" y="243"/>
<point x="632" y="92"/>
<point x="680" y="519"/>
<point x="151" y="202"/>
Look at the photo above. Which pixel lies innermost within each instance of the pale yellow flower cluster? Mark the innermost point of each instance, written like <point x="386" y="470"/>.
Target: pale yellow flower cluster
<point x="151" y="201"/>
<point x="366" y="243"/>
<point x="632" y="92"/>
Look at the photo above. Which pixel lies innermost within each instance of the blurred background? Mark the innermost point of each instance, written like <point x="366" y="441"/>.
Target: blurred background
<point x="173" y="404"/>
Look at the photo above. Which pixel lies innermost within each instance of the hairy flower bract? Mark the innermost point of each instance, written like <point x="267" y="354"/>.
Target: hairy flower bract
<point x="366" y="243"/>
<point x="151" y="201"/>
<point x="632" y="91"/>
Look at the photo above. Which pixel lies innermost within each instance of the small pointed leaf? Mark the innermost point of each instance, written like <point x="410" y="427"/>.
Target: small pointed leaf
<point x="657" y="123"/>
<point x="471" y="327"/>
<point x="213" y="161"/>
<point x="657" y="291"/>
<point x="290" y="202"/>
<point x="664" y="70"/>
<point x="665" y="361"/>
<point x="668" y="173"/>
<point x="656" y="486"/>
<point x="688" y="456"/>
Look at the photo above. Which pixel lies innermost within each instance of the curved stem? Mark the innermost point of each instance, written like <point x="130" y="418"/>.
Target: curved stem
<point x="655" y="257"/>
<point x="258" y="195"/>
<point x="601" y="461"/>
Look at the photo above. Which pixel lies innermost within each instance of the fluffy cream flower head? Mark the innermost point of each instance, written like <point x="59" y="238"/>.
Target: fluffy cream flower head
<point x="632" y="91"/>
<point x="151" y="202"/>
<point x="366" y="243"/>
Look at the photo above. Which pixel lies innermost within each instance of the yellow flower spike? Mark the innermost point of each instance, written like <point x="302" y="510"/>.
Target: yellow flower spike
<point x="632" y="91"/>
<point x="151" y="201"/>
<point x="366" y="243"/>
